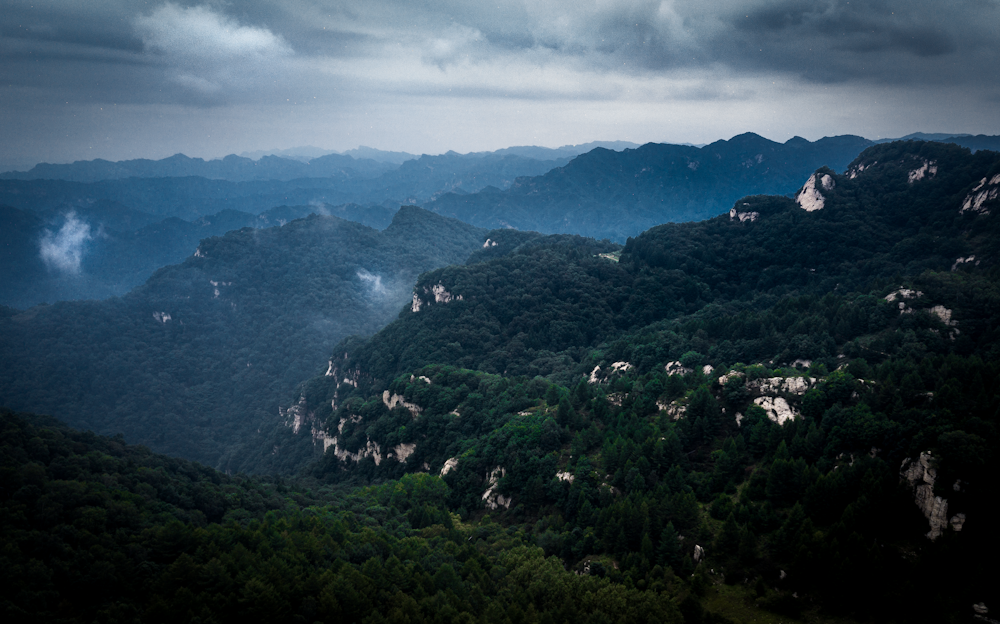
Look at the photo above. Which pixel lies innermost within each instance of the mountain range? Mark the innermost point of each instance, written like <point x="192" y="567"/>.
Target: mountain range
<point x="784" y="411"/>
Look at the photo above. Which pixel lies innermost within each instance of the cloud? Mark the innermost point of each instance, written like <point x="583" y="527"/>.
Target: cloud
<point x="374" y="282"/>
<point x="208" y="53"/>
<point x="64" y="250"/>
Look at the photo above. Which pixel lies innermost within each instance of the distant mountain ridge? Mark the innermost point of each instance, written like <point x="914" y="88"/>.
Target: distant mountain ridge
<point x="619" y="194"/>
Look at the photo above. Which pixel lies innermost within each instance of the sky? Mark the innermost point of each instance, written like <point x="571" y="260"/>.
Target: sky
<point x="119" y="79"/>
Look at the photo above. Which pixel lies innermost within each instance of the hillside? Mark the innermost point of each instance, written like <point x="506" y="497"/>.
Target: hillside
<point x="800" y="395"/>
<point x="194" y="362"/>
<point x="93" y="529"/>
<point x="615" y="195"/>
<point x="93" y="252"/>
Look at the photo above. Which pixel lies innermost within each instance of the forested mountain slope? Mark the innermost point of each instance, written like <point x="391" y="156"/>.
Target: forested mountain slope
<point x="802" y="394"/>
<point x="195" y="361"/>
<point x="94" y="530"/>
<point x="615" y="195"/>
<point x="99" y="251"/>
<point x="556" y="293"/>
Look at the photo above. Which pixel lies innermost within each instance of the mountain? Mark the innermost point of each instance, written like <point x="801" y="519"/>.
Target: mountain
<point x="802" y="390"/>
<point x="785" y="412"/>
<point x="232" y="168"/>
<point x="195" y="191"/>
<point x="195" y="361"/>
<point x="566" y="151"/>
<point x="973" y="142"/>
<point x="615" y="195"/>
<point x="96" y="251"/>
<point x="176" y="537"/>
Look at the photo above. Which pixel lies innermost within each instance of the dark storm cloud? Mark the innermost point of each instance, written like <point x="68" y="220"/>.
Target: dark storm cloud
<point x="344" y="58"/>
<point x="207" y="49"/>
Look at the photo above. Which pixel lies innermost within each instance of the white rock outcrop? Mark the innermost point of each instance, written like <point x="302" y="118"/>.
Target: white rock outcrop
<point x="676" y="368"/>
<point x="489" y="243"/>
<point x="742" y="216"/>
<point x="370" y="449"/>
<point x="856" y="171"/>
<point x="944" y="314"/>
<point x="491" y="497"/>
<point x="449" y="465"/>
<point x="594" y="375"/>
<point x="730" y="375"/>
<point x="809" y="197"/>
<point x="620" y="367"/>
<point x="402" y="451"/>
<point x="392" y="400"/>
<point x="985" y="191"/>
<point x="920" y="474"/>
<point x="787" y="385"/>
<point x="440" y="294"/>
<point x="675" y="410"/>
<point x="564" y="476"/>
<point x="777" y="409"/>
<point x="961" y="260"/>
<point x="162" y="317"/>
<point x="902" y="295"/>
<point x="928" y="169"/>
<point x="699" y="553"/>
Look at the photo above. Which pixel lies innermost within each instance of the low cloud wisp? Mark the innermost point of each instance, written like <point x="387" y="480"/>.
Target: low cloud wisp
<point x="63" y="251"/>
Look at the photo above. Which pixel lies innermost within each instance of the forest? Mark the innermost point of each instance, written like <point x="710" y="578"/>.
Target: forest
<point x="779" y="414"/>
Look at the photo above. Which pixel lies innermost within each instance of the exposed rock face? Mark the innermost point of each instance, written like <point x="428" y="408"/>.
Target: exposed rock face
<point x="449" y="465"/>
<point x="920" y="475"/>
<point x="676" y="368"/>
<point x="370" y="449"/>
<point x="392" y="401"/>
<point x="402" y="451"/>
<point x="440" y="293"/>
<point x="162" y="317"/>
<point x="960" y="260"/>
<point x="856" y="171"/>
<point x="777" y="408"/>
<point x="985" y="191"/>
<point x="674" y="410"/>
<point x="564" y="476"/>
<point x="902" y="295"/>
<point x="620" y="367"/>
<point x="489" y="243"/>
<point x="944" y="314"/>
<point x="492" y="498"/>
<point x="788" y="385"/>
<point x="730" y="375"/>
<point x="809" y="198"/>
<point x="594" y="375"/>
<point x="747" y="215"/>
<point x="295" y="415"/>
<point x="957" y="522"/>
<point x="699" y="553"/>
<point x="929" y="169"/>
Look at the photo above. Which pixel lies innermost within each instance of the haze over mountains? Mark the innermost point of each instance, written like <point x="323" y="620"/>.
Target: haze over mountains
<point x="107" y="216"/>
<point x="715" y="400"/>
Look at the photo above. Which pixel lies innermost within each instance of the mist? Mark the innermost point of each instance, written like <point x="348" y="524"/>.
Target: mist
<point x="64" y="250"/>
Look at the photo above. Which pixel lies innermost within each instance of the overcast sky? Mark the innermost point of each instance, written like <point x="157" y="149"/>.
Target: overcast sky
<point x="123" y="79"/>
